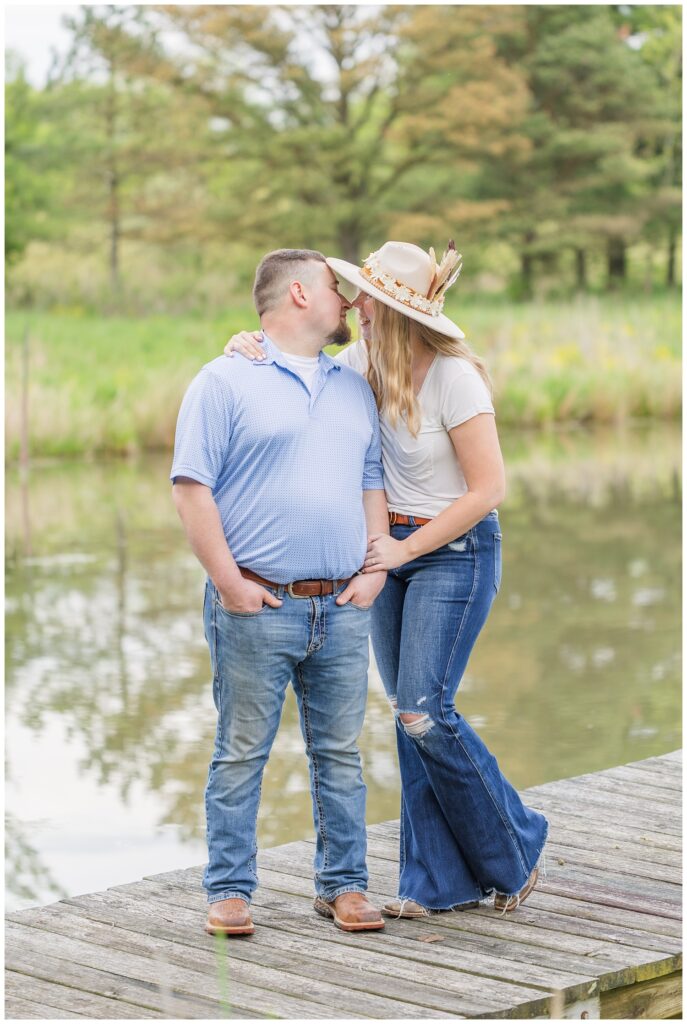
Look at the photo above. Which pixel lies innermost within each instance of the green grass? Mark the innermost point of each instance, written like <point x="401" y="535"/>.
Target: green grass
<point x="114" y="385"/>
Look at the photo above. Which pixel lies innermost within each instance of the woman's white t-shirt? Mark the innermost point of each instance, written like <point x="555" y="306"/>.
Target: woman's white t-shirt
<point x="422" y="475"/>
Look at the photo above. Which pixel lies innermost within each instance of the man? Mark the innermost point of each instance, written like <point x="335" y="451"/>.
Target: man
<point x="278" y="481"/>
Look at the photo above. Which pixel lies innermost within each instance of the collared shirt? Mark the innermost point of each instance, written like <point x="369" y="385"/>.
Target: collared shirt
<point x="287" y="467"/>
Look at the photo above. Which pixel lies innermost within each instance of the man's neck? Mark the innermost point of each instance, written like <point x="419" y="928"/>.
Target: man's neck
<point x="291" y="337"/>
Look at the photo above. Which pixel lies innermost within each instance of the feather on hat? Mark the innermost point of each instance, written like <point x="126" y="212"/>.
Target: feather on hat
<point x="409" y="280"/>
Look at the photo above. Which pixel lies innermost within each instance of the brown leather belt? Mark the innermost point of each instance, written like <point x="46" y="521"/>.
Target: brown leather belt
<point x="401" y="520"/>
<point x="301" y="588"/>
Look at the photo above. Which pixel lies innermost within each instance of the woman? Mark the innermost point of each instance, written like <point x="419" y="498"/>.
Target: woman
<point x="465" y="832"/>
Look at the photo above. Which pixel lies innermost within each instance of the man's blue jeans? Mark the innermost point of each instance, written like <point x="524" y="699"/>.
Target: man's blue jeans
<point x="464" y="829"/>
<point x="323" y="649"/>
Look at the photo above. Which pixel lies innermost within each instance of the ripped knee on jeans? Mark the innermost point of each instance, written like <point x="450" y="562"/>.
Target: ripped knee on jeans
<point x="416" y="725"/>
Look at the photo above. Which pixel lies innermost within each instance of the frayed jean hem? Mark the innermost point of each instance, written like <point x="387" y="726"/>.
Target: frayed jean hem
<point x="442" y="910"/>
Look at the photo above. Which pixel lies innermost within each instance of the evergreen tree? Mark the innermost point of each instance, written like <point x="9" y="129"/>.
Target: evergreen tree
<point x="583" y="179"/>
<point x="657" y="35"/>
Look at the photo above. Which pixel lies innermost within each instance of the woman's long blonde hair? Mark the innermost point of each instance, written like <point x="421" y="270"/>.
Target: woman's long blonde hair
<point x="390" y="362"/>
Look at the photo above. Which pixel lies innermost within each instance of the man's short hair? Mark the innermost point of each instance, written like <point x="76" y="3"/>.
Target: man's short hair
<point x="275" y="273"/>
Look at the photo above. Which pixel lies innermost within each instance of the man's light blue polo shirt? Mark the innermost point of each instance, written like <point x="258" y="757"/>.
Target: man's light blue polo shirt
<point x="287" y="467"/>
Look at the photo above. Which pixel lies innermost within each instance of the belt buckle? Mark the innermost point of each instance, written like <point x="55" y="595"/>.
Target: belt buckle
<point x="289" y="591"/>
<point x="392" y="518"/>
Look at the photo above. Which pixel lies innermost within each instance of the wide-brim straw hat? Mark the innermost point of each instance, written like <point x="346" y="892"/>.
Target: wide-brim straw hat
<point x="408" y="279"/>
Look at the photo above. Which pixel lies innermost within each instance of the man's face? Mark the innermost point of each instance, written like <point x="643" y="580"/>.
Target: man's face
<point x="329" y="306"/>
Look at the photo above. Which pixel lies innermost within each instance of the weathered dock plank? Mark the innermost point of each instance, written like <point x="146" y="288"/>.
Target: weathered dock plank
<point x="64" y="1000"/>
<point x="652" y="777"/>
<point x="600" y="936"/>
<point x="17" y="1008"/>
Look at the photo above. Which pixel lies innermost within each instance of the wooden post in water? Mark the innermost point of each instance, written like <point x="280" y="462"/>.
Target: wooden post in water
<point x="24" y="421"/>
<point x="24" y="447"/>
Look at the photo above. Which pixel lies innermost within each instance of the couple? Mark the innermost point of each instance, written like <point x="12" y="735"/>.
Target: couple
<point x="278" y="481"/>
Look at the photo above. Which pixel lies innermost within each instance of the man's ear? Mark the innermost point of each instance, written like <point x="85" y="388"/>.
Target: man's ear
<point x="297" y="292"/>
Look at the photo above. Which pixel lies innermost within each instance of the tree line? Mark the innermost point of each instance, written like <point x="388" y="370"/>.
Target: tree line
<point x="548" y="135"/>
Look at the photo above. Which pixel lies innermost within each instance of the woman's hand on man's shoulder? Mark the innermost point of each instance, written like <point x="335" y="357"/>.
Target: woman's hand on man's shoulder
<point x="246" y="343"/>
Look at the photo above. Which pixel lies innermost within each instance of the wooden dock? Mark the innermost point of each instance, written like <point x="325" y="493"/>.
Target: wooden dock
<point x="600" y="937"/>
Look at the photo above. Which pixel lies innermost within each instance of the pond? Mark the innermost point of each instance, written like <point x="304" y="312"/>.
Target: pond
<point x="110" y="721"/>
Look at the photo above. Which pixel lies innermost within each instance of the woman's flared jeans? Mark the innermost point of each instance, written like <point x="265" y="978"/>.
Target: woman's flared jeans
<point x="465" y="832"/>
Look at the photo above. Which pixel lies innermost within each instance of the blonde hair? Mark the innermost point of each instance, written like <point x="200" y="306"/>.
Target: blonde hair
<point x="390" y="362"/>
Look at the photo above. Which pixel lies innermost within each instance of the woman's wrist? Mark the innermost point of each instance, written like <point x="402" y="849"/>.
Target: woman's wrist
<point x="411" y="547"/>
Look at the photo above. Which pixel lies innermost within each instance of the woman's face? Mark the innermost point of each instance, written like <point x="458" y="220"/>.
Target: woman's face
<point x="365" y="305"/>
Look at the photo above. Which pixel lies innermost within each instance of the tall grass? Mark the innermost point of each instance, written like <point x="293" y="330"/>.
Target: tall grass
<point x="114" y="385"/>
<point x="604" y="360"/>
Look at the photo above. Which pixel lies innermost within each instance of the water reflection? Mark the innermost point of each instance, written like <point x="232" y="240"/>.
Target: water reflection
<point x="109" y="710"/>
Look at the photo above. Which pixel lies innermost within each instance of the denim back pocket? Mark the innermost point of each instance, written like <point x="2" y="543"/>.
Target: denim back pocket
<point x="497" y="561"/>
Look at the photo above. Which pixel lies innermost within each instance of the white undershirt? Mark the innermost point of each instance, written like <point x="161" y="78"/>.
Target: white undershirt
<point x="305" y="366"/>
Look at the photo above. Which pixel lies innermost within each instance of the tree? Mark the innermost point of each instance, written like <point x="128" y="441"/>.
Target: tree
<point x="583" y="178"/>
<point x="32" y="162"/>
<point x="333" y="107"/>
<point x="657" y="32"/>
<point x="137" y="157"/>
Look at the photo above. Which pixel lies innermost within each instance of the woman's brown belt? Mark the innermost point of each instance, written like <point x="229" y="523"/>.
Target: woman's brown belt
<point x="398" y="517"/>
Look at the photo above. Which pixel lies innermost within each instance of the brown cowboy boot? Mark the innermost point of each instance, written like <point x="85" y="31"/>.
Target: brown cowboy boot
<point x="229" y="917"/>
<point x="352" y="912"/>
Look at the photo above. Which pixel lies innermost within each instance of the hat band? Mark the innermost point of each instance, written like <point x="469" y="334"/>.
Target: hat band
<point x="403" y="293"/>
